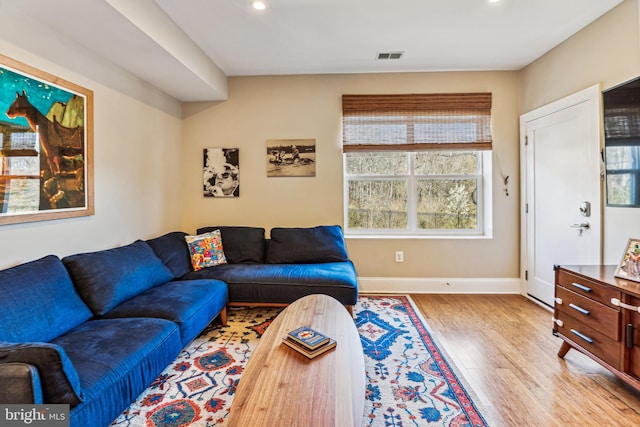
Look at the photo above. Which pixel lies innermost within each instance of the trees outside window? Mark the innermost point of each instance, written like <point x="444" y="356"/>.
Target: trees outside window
<point x="414" y="192"/>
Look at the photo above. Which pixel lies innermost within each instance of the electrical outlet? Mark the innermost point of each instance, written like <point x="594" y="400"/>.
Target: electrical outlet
<point x="399" y="256"/>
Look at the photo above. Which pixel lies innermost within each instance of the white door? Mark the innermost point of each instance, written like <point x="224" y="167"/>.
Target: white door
<point x="560" y="159"/>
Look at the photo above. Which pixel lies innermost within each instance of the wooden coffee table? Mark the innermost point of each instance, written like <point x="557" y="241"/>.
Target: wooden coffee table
<point x="281" y="387"/>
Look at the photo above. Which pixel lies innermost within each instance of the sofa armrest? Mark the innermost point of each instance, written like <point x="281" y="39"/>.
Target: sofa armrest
<point x="59" y="379"/>
<point x="20" y="383"/>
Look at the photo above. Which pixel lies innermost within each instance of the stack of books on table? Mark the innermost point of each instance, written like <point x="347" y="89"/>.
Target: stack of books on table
<point x="308" y="342"/>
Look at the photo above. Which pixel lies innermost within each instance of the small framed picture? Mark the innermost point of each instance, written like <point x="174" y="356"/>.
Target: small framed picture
<point x="629" y="267"/>
<point x="291" y="157"/>
<point x="221" y="172"/>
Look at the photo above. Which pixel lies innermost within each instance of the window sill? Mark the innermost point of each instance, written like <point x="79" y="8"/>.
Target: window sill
<point x="417" y="236"/>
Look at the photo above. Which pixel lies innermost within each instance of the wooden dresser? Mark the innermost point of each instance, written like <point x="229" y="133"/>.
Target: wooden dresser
<point x="598" y="315"/>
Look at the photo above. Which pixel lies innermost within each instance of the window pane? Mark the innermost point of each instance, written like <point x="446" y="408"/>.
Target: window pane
<point x="447" y="204"/>
<point x="621" y="188"/>
<point x="623" y="157"/>
<point x="447" y="163"/>
<point x="377" y="204"/>
<point x="377" y="163"/>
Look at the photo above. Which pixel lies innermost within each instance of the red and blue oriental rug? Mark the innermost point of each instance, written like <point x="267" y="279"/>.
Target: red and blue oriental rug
<point x="410" y="382"/>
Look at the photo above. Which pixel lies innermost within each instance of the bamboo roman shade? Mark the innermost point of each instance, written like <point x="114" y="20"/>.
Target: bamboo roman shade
<point x="416" y="122"/>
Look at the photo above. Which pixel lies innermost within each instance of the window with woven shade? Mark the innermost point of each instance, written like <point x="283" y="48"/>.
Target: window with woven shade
<point x="416" y="163"/>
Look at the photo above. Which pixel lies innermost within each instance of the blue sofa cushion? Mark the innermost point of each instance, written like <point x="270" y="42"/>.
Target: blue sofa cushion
<point x="59" y="379"/>
<point x="38" y="302"/>
<point x="324" y="243"/>
<point x="107" y="278"/>
<point x="174" y="252"/>
<point x="192" y="304"/>
<point x="285" y="283"/>
<point x="116" y="360"/>
<point x="240" y="244"/>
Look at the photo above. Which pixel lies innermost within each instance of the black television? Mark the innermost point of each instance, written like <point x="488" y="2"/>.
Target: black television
<point x="621" y="111"/>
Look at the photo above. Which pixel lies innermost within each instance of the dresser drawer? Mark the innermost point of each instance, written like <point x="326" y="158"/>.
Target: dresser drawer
<point x="588" y="288"/>
<point x="594" y="342"/>
<point x="598" y="316"/>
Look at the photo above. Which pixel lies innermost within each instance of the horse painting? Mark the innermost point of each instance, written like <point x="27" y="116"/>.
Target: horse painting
<point x="62" y="149"/>
<point x="53" y="136"/>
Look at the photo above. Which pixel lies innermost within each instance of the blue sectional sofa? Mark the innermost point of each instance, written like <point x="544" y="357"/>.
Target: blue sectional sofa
<point x="292" y="263"/>
<point x="93" y="330"/>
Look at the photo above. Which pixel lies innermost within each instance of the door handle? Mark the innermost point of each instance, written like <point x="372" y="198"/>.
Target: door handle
<point x="582" y="225"/>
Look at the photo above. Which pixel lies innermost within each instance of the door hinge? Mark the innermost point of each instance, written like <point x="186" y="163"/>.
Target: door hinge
<point x="526" y="140"/>
<point x="526" y="275"/>
<point x="526" y="208"/>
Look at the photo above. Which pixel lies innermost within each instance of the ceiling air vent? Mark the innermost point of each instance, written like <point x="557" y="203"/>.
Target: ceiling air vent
<point x="389" y="55"/>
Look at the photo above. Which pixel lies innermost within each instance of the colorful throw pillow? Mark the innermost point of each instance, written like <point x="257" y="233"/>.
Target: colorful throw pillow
<point x="206" y="250"/>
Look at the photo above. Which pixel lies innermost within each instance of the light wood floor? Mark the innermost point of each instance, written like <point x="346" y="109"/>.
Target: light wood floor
<point x="503" y="346"/>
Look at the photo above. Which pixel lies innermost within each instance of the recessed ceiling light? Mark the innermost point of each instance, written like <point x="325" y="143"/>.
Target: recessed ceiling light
<point x="258" y="5"/>
<point x="494" y="1"/>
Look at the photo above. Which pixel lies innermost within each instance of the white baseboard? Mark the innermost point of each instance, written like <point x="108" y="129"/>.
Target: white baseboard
<point x="390" y="285"/>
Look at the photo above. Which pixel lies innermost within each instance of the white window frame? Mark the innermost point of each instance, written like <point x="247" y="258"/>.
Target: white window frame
<point x="483" y="209"/>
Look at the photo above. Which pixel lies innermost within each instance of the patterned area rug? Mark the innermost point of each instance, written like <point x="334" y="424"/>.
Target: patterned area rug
<point x="409" y="380"/>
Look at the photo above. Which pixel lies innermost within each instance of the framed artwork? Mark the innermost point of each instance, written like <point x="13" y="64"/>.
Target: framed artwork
<point x="291" y="157"/>
<point x="629" y="267"/>
<point x="46" y="145"/>
<point x="221" y="172"/>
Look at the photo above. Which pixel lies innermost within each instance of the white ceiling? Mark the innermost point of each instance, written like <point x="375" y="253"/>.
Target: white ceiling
<point x="343" y="36"/>
<point x="188" y="47"/>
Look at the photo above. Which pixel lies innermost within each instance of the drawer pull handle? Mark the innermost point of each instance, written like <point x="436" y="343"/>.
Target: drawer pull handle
<point x="580" y="309"/>
<point x="584" y="337"/>
<point x="581" y="287"/>
<point x="618" y="303"/>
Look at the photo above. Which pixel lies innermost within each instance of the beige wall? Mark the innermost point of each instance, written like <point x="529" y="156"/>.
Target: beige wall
<point x="148" y="167"/>
<point x="261" y="108"/>
<point x="137" y="153"/>
<point x="607" y="52"/>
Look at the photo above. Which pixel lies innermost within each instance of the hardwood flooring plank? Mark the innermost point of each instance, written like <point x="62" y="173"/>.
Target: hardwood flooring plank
<point x="504" y="348"/>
